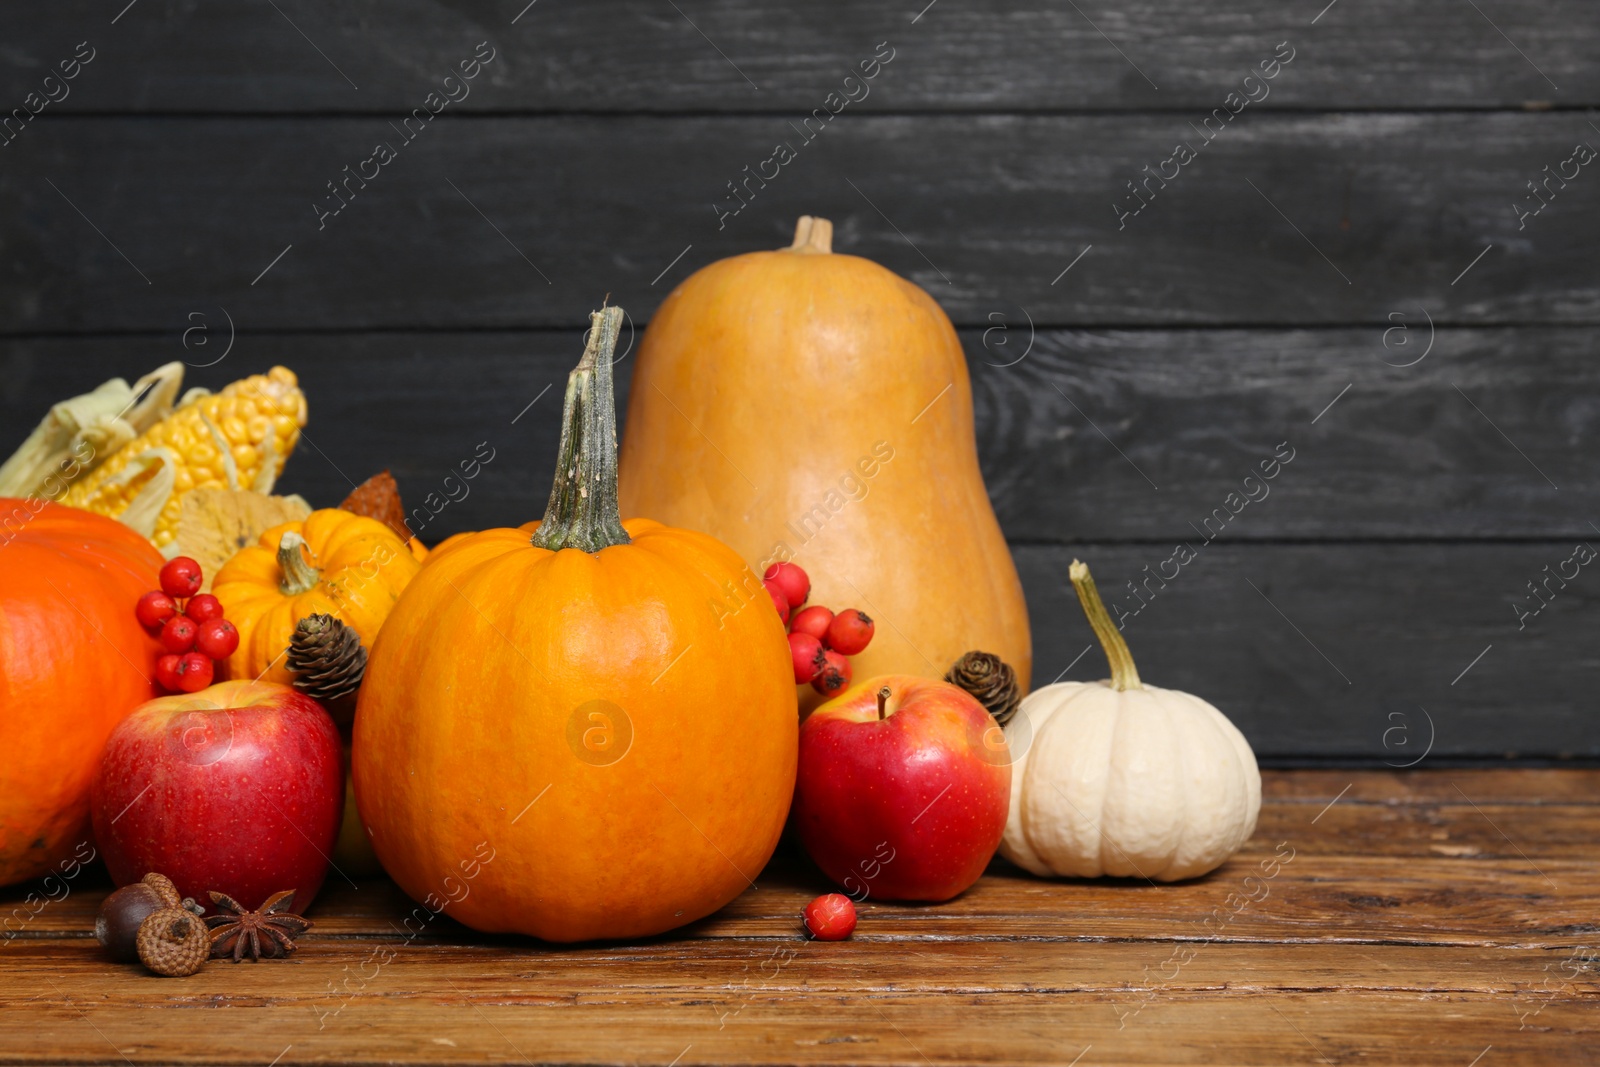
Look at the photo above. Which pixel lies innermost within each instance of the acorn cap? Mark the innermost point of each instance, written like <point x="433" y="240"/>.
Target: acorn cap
<point x="174" y="942"/>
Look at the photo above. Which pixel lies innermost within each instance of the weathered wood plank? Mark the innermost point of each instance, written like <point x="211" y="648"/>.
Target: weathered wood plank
<point x="636" y="55"/>
<point x="1378" y="959"/>
<point x="1194" y="411"/>
<point x="509" y="1026"/>
<point x="1400" y="206"/>
<point x="1076" y="438"/>
<point x="1421" y="898"/>
<point x="1491" y="786"/>
<point x="1366" y="649"/>
<point x="1463" y="829"/>
<point x="729" y="971"/>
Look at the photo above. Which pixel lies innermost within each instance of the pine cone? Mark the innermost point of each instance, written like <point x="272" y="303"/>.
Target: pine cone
<point x="326" y="658"/>
<point x="990" y="680"/>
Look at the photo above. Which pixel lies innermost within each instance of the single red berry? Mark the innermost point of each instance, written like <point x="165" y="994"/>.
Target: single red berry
<point x="807" y="653"/>
<point x="831" y="917"/>
<point x="168" y="675"/>
<point x="849" y="632"/>
<point x="779" y="600"/>
<point x="814" y="620"/>
<point x="155" y="608"/>
<point x="181" y="577"/>
<point x="203" y="607"/>
<point x="217" y="639"/>
<point x="832" y="675"/>
<point x="796" y="584"/>
<point x="195" y="672"/>
<point x="178" y="634"/>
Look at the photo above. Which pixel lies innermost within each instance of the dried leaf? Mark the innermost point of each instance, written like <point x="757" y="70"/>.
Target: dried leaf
<point x="216" y="523"/>
<point x="379" y="498"/>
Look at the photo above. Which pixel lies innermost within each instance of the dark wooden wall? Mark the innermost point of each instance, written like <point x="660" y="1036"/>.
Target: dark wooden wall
<point x="1359" y="216"/>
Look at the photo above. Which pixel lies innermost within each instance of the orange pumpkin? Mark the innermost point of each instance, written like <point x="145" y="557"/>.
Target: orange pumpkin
<point x="334" y="562"/>
<point x="448" y="542"/>
<point x="806" y="406"/>
<point x="73" y="662"/>
<point x="579" y="728"/>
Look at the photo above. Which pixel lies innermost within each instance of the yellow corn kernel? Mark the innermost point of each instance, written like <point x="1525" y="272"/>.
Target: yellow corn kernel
<point x="236" y="439"/>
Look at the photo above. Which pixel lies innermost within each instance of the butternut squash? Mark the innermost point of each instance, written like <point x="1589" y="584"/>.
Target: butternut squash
<point x="815" y="407"/>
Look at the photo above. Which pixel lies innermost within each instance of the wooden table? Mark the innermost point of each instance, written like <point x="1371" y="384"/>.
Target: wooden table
<point x="1448" y="917"/>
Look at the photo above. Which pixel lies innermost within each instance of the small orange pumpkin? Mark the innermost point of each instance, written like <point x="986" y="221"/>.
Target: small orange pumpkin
<point x="581" y="728"/>
<point x="356" y="569"/>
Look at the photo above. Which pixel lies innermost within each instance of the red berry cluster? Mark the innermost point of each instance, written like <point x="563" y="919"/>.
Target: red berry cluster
<point x="194" y="633"/>
<point x="819" y="640"/>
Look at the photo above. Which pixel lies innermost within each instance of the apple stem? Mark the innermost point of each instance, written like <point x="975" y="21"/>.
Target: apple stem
<point x="883" y="699"/>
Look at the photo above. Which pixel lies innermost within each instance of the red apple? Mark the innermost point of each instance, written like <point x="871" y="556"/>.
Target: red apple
<point x="903" y="789"/>
<point x="236" y="788"/>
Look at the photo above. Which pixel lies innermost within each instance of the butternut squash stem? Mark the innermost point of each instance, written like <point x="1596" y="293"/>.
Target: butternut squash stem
<point x="298" y="575"/>
<point x="883" y="700"/>
<point x="1124" y="675"/>
<point x="583" y="511"/>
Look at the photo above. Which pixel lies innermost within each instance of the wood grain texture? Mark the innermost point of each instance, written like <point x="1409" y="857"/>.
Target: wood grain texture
<point x="507" y="1027"/>
<point x="1067" y="434"/>
<point x="1530" y="785"/>
<point x="743" y="55"/>
<point x="1360" y="650"/>
<point x="1408" y="957"/>
<point x="1419" y="897"/>
<point x="510" y="222"/>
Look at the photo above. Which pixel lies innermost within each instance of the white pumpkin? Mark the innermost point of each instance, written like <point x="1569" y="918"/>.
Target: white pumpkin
<point x="1123" y="779"/>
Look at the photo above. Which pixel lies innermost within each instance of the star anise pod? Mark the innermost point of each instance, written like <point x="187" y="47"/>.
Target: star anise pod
<point x="268" y="931"/>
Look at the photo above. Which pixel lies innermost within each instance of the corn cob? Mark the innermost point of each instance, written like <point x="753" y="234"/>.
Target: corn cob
<point x="80" y="434"/>
<point x="236" y="439"/>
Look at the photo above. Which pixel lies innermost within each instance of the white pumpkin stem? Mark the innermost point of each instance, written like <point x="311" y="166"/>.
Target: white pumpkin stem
<point x="298" y="575"/>
<point x="1124" y="675"/>
<point x="812" y="234"/>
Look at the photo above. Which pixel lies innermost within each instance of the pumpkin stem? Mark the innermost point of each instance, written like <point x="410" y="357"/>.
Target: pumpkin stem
<point x="1124" y="675"/>
<point x="812" y="234"/>
<point x="298" y="575"/>
<point x="583" y="511"/>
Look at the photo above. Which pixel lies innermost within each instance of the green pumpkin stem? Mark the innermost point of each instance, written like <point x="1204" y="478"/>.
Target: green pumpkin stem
<point x="1124" y="675"/>
<point x="583" y="511"/>
<point x="298" y="575"/>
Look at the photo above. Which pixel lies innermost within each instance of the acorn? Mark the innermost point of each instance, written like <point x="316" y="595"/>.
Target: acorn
<point x="173" y="942"/>
<point x="116" y="927"/>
